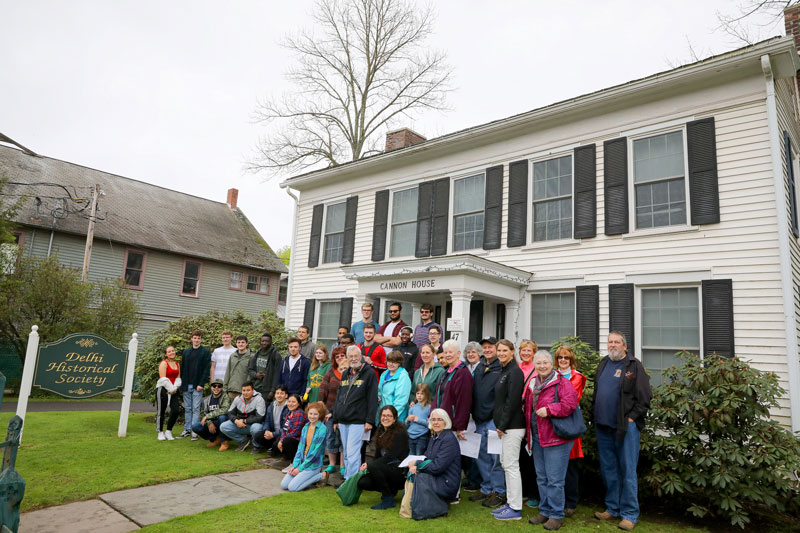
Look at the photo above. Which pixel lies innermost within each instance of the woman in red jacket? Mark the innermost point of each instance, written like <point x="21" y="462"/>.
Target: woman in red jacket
<point x="550" y="452"/>
<point x="567" y="365"/>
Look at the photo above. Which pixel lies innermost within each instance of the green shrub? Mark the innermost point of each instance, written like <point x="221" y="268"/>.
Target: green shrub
<point x="212" y="324"/>
<point x="712" y="446"/>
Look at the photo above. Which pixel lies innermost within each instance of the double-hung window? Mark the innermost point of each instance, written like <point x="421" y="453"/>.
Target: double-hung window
<point x="552" y="317"/>
<point x="235" y="282"/>
<point x="468" y="208"/>
<point x="552" y="199"/>
<point x="659" y="178"/>
<point x="134" y="269"/>
<point x="334" y="232"/>
<point x="404" y="222"/>
<point x="670" y="324"/>
<point x="256" y="283"/>
<point x="190" y="285"/>
<point x="328" y="323"/>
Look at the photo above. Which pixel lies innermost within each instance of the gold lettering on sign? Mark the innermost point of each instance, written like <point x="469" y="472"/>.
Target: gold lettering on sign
<point x="86" y="343"/>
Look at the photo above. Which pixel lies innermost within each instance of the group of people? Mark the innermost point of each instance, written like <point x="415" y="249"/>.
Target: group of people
<point x="406" y="393"/>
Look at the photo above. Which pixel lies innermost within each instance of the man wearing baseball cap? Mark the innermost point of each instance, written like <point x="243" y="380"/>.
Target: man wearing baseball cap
<point x="215" y="409"/>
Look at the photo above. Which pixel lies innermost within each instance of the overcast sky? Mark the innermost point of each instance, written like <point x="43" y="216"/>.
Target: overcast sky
<point x="163" y="92"/>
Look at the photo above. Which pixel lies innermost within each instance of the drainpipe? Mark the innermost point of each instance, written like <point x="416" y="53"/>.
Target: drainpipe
<point x="52" y="232"/>
<point x="292" y="255"/>
<point x="790" y="325"/>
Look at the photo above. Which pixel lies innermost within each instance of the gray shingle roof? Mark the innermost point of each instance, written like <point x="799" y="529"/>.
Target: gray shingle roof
<point x="133" y="212"/>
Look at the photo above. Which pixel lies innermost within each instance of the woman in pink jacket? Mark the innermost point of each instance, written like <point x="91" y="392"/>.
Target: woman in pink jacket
<point x="550" y="452"/>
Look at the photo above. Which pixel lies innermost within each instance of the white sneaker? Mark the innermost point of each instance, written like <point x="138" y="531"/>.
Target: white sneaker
<point x="285" y="470"/>
<point x="161" y="436"/>
<point x="168" y="435"/>
<point x="195" y="436"/>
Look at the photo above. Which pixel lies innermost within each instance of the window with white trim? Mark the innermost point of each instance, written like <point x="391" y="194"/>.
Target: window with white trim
<point x="468" y="209"/>
<point x="552" y="317"/>
<point x="328" y="322"/>
<point x="670" y="323"/>
<point x="659" y="178"/>
<point x="236" y="281"/>
<point x="552" y="199"/>
<point x="134" y="268"/>
<point x="190" y="285"/>
<point x="334" y="232"/>
<point x="256" y="283"/>
<point x="404" y="222"/>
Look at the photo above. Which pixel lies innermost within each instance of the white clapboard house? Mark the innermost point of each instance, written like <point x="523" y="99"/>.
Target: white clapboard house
<point x="664" y="207"/>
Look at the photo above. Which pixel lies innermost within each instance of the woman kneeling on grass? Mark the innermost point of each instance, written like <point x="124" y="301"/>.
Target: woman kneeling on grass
<point x="391" y="447"/>
<point x="167" y="387"/>
<point x="292" y="428"/>
<point x="307" y="465"/>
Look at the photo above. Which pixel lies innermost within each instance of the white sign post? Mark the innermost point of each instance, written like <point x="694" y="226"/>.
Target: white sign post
<point x="31" y="354"/>
<point x="133" y="346"/>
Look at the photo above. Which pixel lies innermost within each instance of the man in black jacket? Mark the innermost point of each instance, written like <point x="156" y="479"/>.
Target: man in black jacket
<point x="196" y="362"/>
<point x="355" y="408"/>
<point x="484" y="379"/>
<point x="264" y="368"/>
<point x="621" y="400"/>
<point x="408" y="349"/>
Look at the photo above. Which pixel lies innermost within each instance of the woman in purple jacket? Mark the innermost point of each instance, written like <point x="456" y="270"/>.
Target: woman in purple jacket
<point x="550" y="452"/>
<point x="454" y="391"/>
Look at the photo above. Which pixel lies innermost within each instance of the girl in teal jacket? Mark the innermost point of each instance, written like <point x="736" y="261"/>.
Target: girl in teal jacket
<point x="307" y="465"/>
<point x="394" y="387"/>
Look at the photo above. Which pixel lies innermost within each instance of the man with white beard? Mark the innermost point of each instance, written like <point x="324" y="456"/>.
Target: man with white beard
<point x="621" y="400"/>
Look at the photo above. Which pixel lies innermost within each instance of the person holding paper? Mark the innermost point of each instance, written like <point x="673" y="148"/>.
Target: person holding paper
<point x="510" y="423"/>
<point x="550" y="452"/>
<point x="443" y="457"/>
<point x="391" y="447"/>
<point x="454" y="391"/>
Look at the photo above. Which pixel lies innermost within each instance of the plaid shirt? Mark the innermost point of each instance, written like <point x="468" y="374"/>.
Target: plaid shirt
<point x="294" y="425"/>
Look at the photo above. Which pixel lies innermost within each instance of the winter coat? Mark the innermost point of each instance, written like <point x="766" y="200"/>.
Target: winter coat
<point x="567" y="403"/>
<point x="236" y="371"/>
<point x="313" y="459"/>
<point x="484" y="379"/>
<point x="578" y="381"/>
<point x="394" y="390"/>
<point x="251" y="412"/>
<point x="454" y="395"/>
<point x="508" y="398"/>
<point x="268" y="362"/>
<point x="445" y="463"/>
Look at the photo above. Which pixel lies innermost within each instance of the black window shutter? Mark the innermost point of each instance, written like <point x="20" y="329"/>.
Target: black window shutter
<point x="703" y="187"/>
<point x="316" y="236"/>
<point x="379" y="225"/>
<point x="615" y="178"/>
<point x="493" y="210"/>
<point x="441" y="207"/>
<point x="718" y="317"/>
<point x="620" y="312"/>
<point x="517" y="203"/>
<point x="346" y="313"/>
<point x="587" y="315"/>
<point x="424" y="219"/>
<point x="585" y="199"/>
<point x="790" y="174"/>
<point x="308" y="315"/>
<point x="351" y="210"/>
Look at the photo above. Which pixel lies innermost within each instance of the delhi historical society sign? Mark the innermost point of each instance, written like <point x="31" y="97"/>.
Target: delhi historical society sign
<point x="80" y="365"/>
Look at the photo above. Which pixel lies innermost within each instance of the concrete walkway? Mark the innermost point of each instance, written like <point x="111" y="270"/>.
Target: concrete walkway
<point x="128" y="510"/>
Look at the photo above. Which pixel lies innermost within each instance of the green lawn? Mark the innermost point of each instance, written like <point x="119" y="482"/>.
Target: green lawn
<point x="72" y="456"/>
<point x="320" y="510"/>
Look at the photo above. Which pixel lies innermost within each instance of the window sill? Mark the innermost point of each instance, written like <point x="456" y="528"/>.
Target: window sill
<point x="189" y="295"/>
<point x="654" y="232"/>
<point x="550" y="244"/>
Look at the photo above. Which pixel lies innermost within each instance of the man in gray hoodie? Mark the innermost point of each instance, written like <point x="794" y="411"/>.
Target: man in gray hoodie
<point x="246" y="411"/>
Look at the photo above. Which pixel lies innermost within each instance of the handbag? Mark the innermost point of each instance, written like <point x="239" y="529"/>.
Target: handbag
<point x="349" y="492"/>
<point x="405" y="505"/>
<point x="568" y="427"/>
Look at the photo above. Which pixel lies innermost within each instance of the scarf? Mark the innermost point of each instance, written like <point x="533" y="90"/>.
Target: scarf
<point x="540" y="384"/>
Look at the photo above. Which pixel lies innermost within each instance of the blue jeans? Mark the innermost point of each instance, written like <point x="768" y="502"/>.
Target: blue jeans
<point x="551" y="468"/>
<point x="351" y="447"/>
<point x="203" y="432"/>
<point x="301" y="480"/>
<point x="418" y="445"/>
<point x="192" y="404"/>
<point x="618" y="460"/>
<point x="234" y="432"/>
<point x="333" y="442"/>
<point x="493" y="477"/>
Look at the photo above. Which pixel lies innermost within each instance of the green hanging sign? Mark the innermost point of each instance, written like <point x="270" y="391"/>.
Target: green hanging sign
<point x="80" y="365"/>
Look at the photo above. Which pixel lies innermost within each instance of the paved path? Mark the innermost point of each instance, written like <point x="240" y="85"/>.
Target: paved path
<point x="128" y="510"/>
<point x="78" y="405"/>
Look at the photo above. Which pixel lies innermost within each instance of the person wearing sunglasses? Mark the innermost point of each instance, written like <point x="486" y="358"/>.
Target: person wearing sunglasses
<point x="215" y="408"/>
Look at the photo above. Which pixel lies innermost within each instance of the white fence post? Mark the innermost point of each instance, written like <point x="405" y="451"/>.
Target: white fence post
<point x="133" y="346"/>
<point x="31" y="355"/>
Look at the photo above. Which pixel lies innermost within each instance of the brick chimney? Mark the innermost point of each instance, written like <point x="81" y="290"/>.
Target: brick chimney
<point x="233" y="196"/>
<point x="402" y="138"/>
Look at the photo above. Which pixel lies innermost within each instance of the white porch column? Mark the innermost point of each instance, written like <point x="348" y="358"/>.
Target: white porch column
<point x="415" y="319"/>
<point x="461" y="299"/>
<point x="512" y="325"/>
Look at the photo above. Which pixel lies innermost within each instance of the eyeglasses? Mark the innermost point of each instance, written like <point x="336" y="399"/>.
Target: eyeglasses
<point x="216" y="386"/>
<point x="436" y="419"/>
<point x="394" y="310"/>
<point x="562" y="357"/>
<point x="387" y="415"/>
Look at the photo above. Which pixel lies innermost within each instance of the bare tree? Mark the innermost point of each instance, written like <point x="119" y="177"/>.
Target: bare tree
<point x="751" y="19"/>
<point x="362" y="66"/>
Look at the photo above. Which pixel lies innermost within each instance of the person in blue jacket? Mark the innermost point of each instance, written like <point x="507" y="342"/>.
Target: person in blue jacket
<point x="294" y="369"/>
<point x="266" y="435"/>
<point x="443" y="457"/>
<point x="307" y="465"/>
<point x="394" y="387"/>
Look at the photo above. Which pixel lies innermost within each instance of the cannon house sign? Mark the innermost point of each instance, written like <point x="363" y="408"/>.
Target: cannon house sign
<point x="80" y="365"/>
